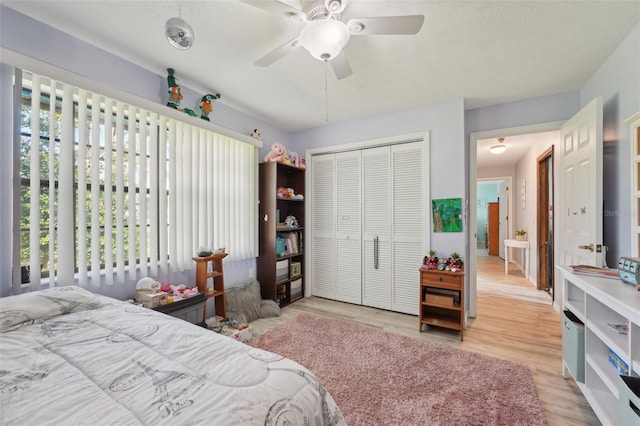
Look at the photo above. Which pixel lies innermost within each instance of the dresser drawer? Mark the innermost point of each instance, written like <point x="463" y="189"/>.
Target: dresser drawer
<point x="451" y="281"/>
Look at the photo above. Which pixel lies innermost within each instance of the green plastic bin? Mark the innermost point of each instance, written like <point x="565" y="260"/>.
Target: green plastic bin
<point x="573" y="345"/>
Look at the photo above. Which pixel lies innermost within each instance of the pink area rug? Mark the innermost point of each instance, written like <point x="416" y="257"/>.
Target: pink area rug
<point x="381" y="378"/>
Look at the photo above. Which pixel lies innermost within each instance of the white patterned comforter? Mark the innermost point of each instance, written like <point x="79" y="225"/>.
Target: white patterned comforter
<point x="70" y="357"/>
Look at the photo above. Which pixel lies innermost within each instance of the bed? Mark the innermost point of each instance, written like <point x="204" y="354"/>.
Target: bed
<point x="68" y="356"/>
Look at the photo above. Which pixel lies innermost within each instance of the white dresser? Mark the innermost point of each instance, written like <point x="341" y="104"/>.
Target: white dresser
<point x="601" y="304"/>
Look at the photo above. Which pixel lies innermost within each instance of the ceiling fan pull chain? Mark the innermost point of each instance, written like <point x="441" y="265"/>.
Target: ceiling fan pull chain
<point x="326" y="93"/>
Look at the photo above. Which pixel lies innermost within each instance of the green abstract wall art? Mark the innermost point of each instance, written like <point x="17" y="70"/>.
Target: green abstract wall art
<point x="447" y="214"/>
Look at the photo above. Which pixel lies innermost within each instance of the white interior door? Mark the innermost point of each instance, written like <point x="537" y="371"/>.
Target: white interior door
<point x="503" y="207"/>
<point x="580" y="202"/>
<point x="323" y="272"/>
<point x="376" y="228"/>
<point x="348" y="227"/>
<point x="408" y="213"/>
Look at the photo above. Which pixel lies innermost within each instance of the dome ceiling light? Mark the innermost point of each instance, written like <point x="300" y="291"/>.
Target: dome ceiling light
<point x="498" y="148"/>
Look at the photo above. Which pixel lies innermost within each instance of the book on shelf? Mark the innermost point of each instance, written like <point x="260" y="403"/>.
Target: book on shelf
<point x="595" y="271"/>
<point x="293" y="242"/>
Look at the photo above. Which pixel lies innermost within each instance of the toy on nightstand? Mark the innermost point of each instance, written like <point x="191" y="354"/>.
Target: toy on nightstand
<point x="455" y="263"/>
<point x="431" y="261"/>
<point x="442" y="264"/>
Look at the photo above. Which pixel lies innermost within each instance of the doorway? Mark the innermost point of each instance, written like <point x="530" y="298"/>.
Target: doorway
<point x="545" y="226"/>
<point x="493" y="211"/>
<point x="473" y="175"/>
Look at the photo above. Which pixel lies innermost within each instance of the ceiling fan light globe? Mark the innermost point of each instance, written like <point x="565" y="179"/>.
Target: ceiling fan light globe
<point x="324" y="39"/>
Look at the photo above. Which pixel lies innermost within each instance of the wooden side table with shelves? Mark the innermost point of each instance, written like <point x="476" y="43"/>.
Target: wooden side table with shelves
<point x="442" y="299"/>
<point x="210" y="281"/>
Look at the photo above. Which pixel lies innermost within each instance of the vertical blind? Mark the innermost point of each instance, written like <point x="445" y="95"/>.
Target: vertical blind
<point x="111" y="191"/>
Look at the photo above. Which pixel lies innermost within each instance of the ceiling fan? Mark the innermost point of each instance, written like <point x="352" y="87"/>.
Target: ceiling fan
<point x="325" y="33"/>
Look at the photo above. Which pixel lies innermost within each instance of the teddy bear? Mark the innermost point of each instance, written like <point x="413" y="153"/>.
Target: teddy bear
<point x="276" y="154"/>
<point x="294" y="158"/>
<point x="285" y="193"/>
<point x="286" y="158"/>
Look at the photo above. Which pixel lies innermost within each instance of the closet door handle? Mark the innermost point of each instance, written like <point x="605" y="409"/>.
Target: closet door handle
<point x="375" y="252"/>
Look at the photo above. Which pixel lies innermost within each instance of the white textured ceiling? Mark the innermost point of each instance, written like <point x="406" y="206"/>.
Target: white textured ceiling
<point x="517" y="147"/>
<point x="485" y="52"/>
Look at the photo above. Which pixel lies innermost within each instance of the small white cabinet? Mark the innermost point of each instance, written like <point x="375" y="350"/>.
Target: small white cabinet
<point x="602" y="303"/>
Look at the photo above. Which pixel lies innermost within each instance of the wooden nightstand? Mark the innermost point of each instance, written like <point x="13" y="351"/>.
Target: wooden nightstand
<point x="442" y="299"/>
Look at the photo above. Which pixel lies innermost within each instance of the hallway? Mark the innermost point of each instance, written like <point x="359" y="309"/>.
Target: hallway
<point x="517" y="322"/>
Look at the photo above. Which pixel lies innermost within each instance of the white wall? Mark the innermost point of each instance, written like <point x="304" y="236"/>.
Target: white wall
<point x="445" y="124"/>
<point x="617" y="80"/>
<point x="24" y="35"/>
<point x="526" y="218"/>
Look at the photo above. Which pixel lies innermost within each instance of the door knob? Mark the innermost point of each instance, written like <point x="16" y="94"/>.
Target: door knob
<point x="587" y="247"/>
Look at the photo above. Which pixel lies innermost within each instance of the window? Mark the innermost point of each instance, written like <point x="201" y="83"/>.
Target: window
<point x="89" y="180"/>
<point x="123" y="192"/>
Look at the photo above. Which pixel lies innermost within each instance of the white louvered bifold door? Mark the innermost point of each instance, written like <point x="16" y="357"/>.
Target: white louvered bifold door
<point x="323" y="271"/>
<point x="408" y="213"/>
<point x="376" y="247"/>
<point x="348" y="227"/>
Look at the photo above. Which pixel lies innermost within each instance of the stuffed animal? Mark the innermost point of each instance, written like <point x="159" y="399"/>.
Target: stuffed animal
<point x="276" y="154"/>
<point x="205" y="105"/>
<point x="285" y="193"/>
<point x="302" y="163"/>
<point x="175" y="94"/>
<point x="294" y="159"/>
<point x="286" y="158"/>
<point x="256" y="134"/>
<point x="291" y="221"/>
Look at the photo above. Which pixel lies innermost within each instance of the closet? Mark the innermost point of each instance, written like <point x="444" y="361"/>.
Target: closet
<point x="368" y="224"/>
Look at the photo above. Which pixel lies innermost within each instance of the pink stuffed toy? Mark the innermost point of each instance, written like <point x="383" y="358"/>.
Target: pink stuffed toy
<point x="276" y="153"/>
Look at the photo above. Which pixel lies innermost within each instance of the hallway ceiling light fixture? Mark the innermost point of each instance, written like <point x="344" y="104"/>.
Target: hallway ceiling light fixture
<point x="498" y="148"/>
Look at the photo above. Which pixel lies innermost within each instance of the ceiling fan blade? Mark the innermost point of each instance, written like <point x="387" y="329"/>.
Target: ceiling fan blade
<point x="278" y="7"/>
<point x="386" y="25"/>
<point x="341" y="67"/>
<point x="279" y="52"/>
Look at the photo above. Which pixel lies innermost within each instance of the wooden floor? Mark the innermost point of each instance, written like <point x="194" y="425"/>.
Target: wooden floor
<point x="514" y="322"/>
